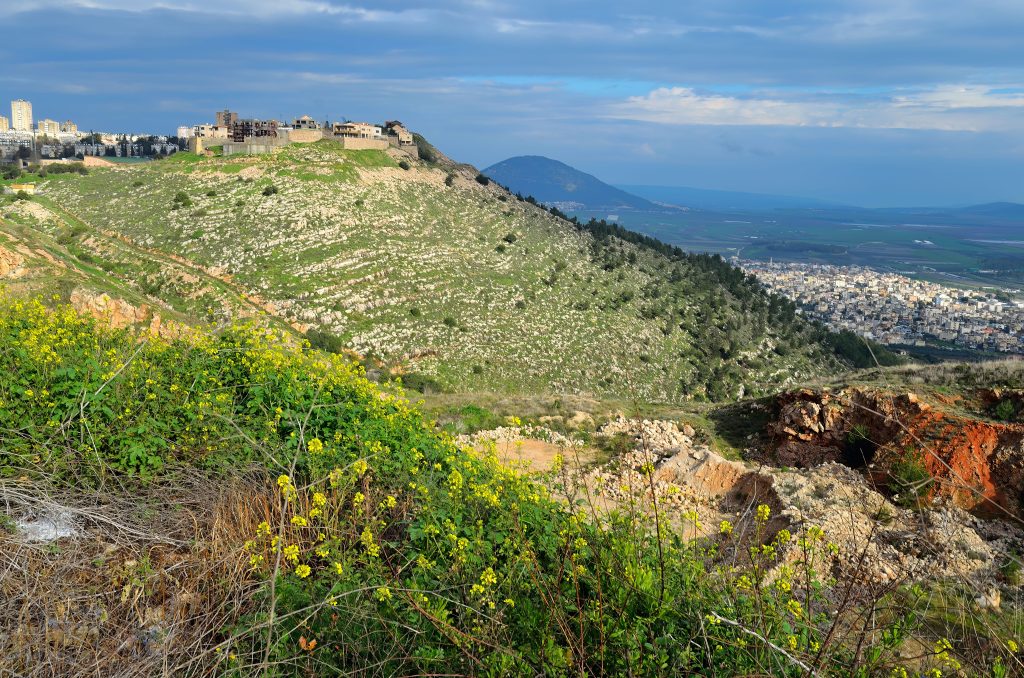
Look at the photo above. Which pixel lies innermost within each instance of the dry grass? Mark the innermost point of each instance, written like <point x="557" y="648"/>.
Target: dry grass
<point x="147" y="588"/>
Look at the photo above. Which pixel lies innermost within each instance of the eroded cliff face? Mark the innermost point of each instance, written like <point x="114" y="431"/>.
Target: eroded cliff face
<point x="977" y="464"/>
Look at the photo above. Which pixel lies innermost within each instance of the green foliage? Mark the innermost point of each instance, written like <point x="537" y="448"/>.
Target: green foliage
<point x="1005" y="410"/>
<point x="404" y="164"/>
<point x="422" y="383"/>
<point x="858" y="351"/>
<point x="482" y="180"/>
<point x="270" y="190"/>
<point x="384" y="545"/>
<point x="1011" y="570"/>
<point x="325" y="341"/>
<point x="909" y="479"/>
<point x="427" y="152"/>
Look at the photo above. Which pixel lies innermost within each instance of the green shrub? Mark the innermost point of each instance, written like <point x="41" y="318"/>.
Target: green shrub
<point x="270" y="190"/>
<point x="404" y="164"/>
<point x="1005" y="410"/>
<point x="909" y="479"/>
<point x="325" y="341"/>
<point x="482" y="180"/>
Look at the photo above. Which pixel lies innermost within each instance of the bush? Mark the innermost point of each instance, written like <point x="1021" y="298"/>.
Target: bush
<point x="404" y="164"/>
<point x="1005" y="410"/>
<point x="449" y="180"/>
<point x="427" y="152"/>
<point x="422" y="383"/>
<point x="909" y="479"/>
<point x="482" y="180"/>
<point x="325" y="341"/>
<point x="270" y="190"/>
<point x="415" y="312"/>
<point x="510" y="238"/>
<point x="449" y="321"/>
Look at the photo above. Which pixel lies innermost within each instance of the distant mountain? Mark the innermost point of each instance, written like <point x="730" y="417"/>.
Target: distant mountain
<point x="555" y="183"/>
<point x="706" y="199"/>
<point x="1000" y="210"/>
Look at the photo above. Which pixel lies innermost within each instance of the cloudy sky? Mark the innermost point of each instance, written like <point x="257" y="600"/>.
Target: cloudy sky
<point x="871" y="102"/>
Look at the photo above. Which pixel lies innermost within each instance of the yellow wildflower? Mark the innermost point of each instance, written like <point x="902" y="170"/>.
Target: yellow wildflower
<point x="303" y="571"/>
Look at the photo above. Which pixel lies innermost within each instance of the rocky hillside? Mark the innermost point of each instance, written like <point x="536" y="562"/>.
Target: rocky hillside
<point x="931" y="448"/>
<point x="421" y="267"/>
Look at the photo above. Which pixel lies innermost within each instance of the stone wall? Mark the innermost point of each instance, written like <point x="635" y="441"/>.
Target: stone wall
<point x="305" y="136"/>
<point x="355" y="144"/>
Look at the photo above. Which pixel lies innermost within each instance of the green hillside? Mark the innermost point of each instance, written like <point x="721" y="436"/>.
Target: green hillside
<point x="431" y="272"/>
<point x="278" y="515"/>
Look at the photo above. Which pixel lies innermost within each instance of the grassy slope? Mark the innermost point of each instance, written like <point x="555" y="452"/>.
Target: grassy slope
<point x="408" y="269"/>
<point x="383" y="542"/>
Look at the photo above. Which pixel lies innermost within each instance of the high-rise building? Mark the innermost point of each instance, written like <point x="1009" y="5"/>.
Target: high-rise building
<point x="49" y="128"/>
<point x="21" y="115"/>
<point x="226" y="118"/>
<point x="5" y="124"/>
<point x="69" y="127"/>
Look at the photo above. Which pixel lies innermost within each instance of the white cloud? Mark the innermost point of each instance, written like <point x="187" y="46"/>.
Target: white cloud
<point x="248" y="8"/>
<point x="953" y="108"/>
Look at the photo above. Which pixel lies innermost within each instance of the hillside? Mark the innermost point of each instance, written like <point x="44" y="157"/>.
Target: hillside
<point x="234" y="505"/>
<point x="555" y="183"/>
<point x="424" y="271"/>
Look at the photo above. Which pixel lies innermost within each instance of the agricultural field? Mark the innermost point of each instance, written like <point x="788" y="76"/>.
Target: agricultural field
<point x="963" y="248"/>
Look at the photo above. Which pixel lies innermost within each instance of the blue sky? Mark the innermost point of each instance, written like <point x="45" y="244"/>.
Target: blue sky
<point x="871" y="102"/>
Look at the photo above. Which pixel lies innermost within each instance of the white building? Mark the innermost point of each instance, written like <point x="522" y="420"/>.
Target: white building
<point x="21" y="115"/>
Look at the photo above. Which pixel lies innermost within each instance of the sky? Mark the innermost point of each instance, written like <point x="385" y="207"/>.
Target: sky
<point x="867" y="102"/>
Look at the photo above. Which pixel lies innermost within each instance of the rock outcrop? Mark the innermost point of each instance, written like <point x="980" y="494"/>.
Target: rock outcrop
<point x="977" y="465"/>
<point x="118" y="313"/>
<point x="11" y="264"/>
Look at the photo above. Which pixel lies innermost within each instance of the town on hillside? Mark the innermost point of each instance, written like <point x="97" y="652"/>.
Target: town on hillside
<point x="234" y="135"/>
<point x="896" y="310"/>
<point x="25" y="140"/>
